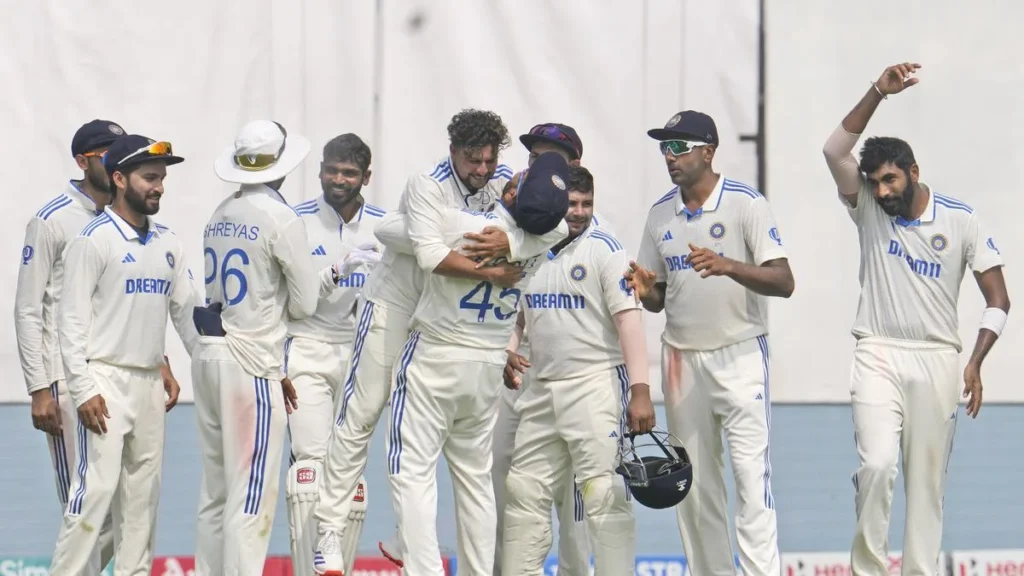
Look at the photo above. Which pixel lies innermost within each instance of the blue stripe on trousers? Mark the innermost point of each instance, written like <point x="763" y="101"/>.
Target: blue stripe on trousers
<point x="258" y="467"/>
<point x="365" y="321"/>
<point x="578" y="512"/>
<point x="623" y="375"/>
<point x="398" y="405"/>
<point x="75" y="507"/>
<point x="769" y="500"/>
<point x="60" y="456"/>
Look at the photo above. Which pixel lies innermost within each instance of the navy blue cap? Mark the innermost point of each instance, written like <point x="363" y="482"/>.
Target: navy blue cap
<point x="688" y="125"/>
<point x="558" y="134"/>
<point x="542" y="198"/>
<point x="130" y="149"/>
<point x="93" y="135"/>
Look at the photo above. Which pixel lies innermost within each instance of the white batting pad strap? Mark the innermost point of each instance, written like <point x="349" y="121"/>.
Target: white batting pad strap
<point x="993" y="319"/>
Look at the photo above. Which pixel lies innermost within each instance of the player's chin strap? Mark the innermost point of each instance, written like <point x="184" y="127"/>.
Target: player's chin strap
<point x="994" y="319"/>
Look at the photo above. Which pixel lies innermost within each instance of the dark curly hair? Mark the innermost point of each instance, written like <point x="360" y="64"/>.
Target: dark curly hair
<point x="580" y="180"/>
<point x="475" y="129"/>
<point x="881" y="150"/>
<point x="348" y="148"/>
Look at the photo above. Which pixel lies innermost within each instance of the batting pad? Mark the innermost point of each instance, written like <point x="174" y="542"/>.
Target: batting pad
<point x="350" y="540"/>
<point x="303" y="492"/>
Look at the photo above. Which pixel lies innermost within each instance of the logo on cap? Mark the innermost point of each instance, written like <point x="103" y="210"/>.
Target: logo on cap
<point x="557" y="181"/>
<point x="674" y="120"/>
<point x="114" y="128"/>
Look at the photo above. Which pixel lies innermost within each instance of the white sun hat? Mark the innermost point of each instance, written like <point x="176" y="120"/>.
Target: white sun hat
<point x="263" y="152"/>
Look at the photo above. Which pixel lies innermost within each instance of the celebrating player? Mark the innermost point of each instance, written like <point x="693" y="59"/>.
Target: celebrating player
<point x="915" y="245"/>
<point x="469" y="176"/>
<point x="447" y="382"/>
<point x="589" y="357"/>
<point x="35" y="307"/>
<point x="259" y="274"/>
<point x="573" y="552"/>
<point x="318" y="348"/>
<point x="123" y="274"/>
<point x="709" y="256"/>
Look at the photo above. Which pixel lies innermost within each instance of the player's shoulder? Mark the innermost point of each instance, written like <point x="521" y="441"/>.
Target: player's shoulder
<point x="665" y="205"/>
<point x="603" y="241"/>
<point x="734" y="191"/>
<point x="98" y="226"/>
<point x="478" y="214"/>
<point x="502" y="174"/>
<point x="373" y="212"/>
<point x="53" y="209"/>
<point x="951" y="207"/>
<point x="438" y="172"/>
<point x="308" y="208"/>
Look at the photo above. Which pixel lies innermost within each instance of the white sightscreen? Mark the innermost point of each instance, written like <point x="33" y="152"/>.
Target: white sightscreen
<point x="963" y="121"/>
<point x="392" y="71"/>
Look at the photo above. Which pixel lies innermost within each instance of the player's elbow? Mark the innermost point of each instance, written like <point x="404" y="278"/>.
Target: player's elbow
<point x="788" y="286"/>
<point x="430" y="257"/>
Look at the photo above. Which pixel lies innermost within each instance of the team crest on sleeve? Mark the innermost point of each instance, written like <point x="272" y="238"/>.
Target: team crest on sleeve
<point x="578" y="272"/>
<point x="170" y="259"/>
<point x="773" y="233"/>
<point x="27" y="252"/>
<point x="939" y="242"/>
<point x="624" y="286"/>
<point x="990" y="243"/>
<point x="717" y="230"/>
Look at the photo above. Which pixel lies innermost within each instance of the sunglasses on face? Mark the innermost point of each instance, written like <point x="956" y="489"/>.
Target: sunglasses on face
<point x="679" y="147"/>
<point x="154" y="149"/>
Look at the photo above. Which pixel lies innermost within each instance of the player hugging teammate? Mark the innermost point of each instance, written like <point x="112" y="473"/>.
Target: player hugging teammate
<point x="499" y="321"/>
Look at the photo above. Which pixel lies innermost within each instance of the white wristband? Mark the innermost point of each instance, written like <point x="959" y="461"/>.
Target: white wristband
<point x="993" y="319"/>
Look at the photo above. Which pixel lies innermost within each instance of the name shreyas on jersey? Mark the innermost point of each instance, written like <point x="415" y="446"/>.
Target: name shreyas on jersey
<point x="921" y="267"/>
<point x="232" y="230"/>
<point x="678" y="262"/>
<point x="555" y="301"/>
<point x="147" y="286"/>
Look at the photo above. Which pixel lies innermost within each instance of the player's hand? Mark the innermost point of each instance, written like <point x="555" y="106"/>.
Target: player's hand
<point x="45" y="414"/>
<point x="170" y="386"/>
<point x="515" y="367"/>
<point x="640" y="411"/>
<point x="505" y="275"/>
<point x="972" y="388"/>
<point x="640" y="280"/>
<point x="366" y="254"/>
<point x="489" y="244"/>
<point x="291" y="397"/>
<point x="897" y="78"/>
<point x="707" y="262"/>
<point x="93" y="414"/>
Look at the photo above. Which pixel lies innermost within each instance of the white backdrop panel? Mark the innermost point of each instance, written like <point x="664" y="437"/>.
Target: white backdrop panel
<point x="963" y="122"/>
<point x="610" y="69"/>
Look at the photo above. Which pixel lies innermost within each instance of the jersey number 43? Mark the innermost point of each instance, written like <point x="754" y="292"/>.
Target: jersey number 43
<point x="479" y="299"/>
<point x="230" y="268"/>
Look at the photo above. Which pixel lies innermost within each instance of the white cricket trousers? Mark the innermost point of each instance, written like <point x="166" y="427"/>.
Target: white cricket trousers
<point x="117" y="473"/>
<point x="573" y="548"/>
<point x="708" y="392"/>
<point x="570" y="426"/>
<point x="62" y="455"/>
<point x="905" y="397"/>
<point x="242" y="423"/>
<point x="445" y="401"/>
<point x="317" y="371"/>
<point x="380" y="336"/>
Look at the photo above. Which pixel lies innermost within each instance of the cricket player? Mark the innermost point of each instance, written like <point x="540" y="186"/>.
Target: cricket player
<point x="35" y="307"/>
<point x="469" y="177"/>
<point x="915" y="245"/>
<point x="709" y="257"/>
<point x="573" y="550"/>
<point x="123" y="275"/>
<point x="445" y="394"/>
<point x="259" y="275"/>
<point x="318" y="348"/>
<point x="589" y="373"/>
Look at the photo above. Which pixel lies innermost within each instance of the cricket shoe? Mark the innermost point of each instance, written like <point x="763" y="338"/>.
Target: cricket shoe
<point x="328" y="560"/>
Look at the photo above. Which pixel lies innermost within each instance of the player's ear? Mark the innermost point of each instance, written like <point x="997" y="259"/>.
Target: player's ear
<point x="915" y="173"/>
<point x="82" y="162"/>
<point x="366" y="177"/>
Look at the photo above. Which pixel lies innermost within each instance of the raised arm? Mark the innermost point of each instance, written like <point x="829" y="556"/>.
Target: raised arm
<point x="37" y="259"/>
<point x="839" y="146"/>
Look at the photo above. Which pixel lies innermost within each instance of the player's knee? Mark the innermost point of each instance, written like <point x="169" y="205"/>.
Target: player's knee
<point x="878" y="463"/>
<point x="526" y="493"/>
<point x="604" y="495"/>
<point x="304" y="479"/>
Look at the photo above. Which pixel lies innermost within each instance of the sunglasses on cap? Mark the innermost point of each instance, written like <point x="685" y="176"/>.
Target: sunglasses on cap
<point x="553" y="132"/>
<point x="679" y="147"/>
<point x="154" y="149"/>
<point x="257" y="162"/>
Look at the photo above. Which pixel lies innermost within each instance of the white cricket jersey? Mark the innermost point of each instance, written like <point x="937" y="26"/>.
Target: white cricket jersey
<point x="330" y="239"/>
<point x="910" y="272"/>
<point x="118" y="290"/>
<point x="40" y="280"/>
<point x="710" y="313"/>
<point x="259" y="267"/>
<point x="569" y="306"/>
<point x="397" y="280"/>
<point x="472" y="314"/>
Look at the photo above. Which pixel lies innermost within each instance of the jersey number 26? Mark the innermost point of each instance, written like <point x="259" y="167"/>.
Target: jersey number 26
<point x="228" y="270"/>
<point x="484" y="304"/>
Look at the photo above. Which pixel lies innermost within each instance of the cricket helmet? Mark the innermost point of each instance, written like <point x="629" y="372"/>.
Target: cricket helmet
<point x="660" y="479"/>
